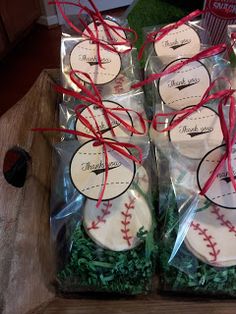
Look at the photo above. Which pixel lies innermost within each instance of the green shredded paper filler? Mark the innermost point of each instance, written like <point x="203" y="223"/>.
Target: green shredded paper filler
<point x="186" y="273"/>
<point x="91" y="267"/>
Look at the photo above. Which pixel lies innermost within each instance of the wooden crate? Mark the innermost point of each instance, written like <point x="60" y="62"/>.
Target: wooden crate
<point x="26" y="262"/>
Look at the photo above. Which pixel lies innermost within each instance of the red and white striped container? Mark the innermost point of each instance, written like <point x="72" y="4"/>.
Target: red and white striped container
<point x="220" y="13"/>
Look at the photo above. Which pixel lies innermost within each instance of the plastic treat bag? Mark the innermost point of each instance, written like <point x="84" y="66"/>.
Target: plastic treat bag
<point x="107" y="247"/>
<point x="117" y="74"/>
<point x="184" y="81"/>
<point x="197" y="202"/>
<point x="184" y="37"/>
<point x="133" y="101"/>
<point x="124" y="32"/>
<point x="191" y="132"/>
<point x="101" y="47"/>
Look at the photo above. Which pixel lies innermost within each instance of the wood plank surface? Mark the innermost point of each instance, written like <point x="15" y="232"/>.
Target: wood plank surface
<point x="25" y="261"/>
<point x="154" y="304"/>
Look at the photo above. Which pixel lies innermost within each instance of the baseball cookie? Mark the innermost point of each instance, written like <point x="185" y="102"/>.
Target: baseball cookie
<point x="94" y="112"/>
<point x="115" y="224"/>
<point x="197" y="134"/>
<point x="221" y="191"/>
<point x="120" y="85"/>
<point x="87" y="171"/>
<point x="212" y="236"/>
<point x="183" y="41"/>
<point x="84" y="58"/>
<point x="117" y="36"/>
<point x="184" y="87"/>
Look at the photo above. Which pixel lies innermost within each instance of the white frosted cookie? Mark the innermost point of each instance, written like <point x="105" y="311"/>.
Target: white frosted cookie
<point x="212" y="236"/>
<point x="120" y="85"/>
<point x="115" y="224"/>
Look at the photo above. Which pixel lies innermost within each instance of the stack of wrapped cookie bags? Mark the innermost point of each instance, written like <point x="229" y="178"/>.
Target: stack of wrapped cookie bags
<point x="193" y="130"/>
<point x="102" y="219"/>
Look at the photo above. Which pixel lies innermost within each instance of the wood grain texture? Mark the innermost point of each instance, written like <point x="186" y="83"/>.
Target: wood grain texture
<point x="25" y="262"/>
<point x="154" y="304"/>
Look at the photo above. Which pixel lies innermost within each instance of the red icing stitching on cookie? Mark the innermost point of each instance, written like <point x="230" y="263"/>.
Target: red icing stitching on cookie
<point x="101" y="219"/>
<point x="223" y="221"/>
<point x="119" y="84"/>
<point x="208" y="238"/>
<point x="126" y="221"/>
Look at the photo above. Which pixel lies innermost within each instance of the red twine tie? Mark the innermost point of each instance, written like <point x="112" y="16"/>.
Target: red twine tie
<point x="99" y="140"/>
<point x="201" y="55"/>
<point x="95" y="98"/>
<point x="96" y="132"/>
<point x="112" y="28"/>
<point x="185" y="113"/>
<point x="229" y="135"/>
<point x="233" y="41"/>
<point x="161" y="33"/>
<point x="96" y="16"/>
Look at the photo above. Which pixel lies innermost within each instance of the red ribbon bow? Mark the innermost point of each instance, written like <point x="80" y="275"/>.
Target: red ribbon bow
<point x="99" y="140"/>
<point x="201" y="55"/>
<point x="95" y="98"/>
<point x="161" y="33"/>
<point x="229" y="135"/>
<point x="185" y="113"/>
<point x="232" y="43"/>
<point x="96" y="16"/>
<point x="96" y="132"/>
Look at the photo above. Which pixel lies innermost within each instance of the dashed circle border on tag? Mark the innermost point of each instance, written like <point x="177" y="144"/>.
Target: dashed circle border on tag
<point x="158" y="85"/>
<point x="97" y="84"/>
<point x="169" y="137"/>
<point x="108" y="114"/>
<point x="179" y="32"/>
<point x="198" y="182"/>
<point x="105" y="199"/>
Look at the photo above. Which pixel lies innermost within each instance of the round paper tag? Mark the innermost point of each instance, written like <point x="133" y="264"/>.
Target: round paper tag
<point x="115" y="224"/>
<point x="87" y="171"/>
<point x="221" y="192"/>
<point x="183" y="41"/>
<point x="84" y="58"/>
<point x="184" y="87"/>
<point x="197" y="134"/>
<point x="212" y="235"/>
<point x="94" y="111"/>
<point x="117" y="36"/>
